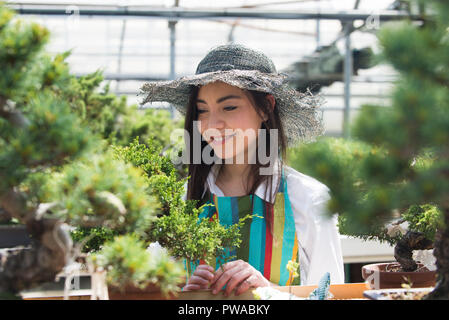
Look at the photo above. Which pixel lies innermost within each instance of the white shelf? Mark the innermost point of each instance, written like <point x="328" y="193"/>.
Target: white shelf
<point x="358" y="251"/>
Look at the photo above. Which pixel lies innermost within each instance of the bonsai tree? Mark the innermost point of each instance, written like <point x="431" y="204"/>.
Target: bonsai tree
<point x="177" y="227"/>
<point x="414" y="129"/>
<point x="56" y="169"/>
<point x="339" y="164"/>
<point x="109" y="115"/>
<point x="130" y="264"/>
<point x="37" y="131"/>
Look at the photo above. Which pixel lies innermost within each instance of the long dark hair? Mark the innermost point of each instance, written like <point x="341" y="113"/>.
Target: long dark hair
<point x="198" y="172"/>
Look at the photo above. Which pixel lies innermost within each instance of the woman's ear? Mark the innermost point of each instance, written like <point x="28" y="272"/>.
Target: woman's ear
<point x="272" y="102"/>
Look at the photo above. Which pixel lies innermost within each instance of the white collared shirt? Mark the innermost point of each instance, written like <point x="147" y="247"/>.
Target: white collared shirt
<point x="318" y="238"/>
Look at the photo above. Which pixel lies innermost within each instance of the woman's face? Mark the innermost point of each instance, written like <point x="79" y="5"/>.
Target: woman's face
<point x="228" y="121"/>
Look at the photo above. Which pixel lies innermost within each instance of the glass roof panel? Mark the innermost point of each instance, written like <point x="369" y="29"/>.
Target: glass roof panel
<point x="132" y="49"/>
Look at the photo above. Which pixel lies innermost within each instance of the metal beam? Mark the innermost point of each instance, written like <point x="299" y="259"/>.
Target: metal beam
<point x="172" y="27"/>
<point x="348" y="71"/>
<point x="325" y="95"/>
<point x="146" y="77"/>
<point x="130" y="77"/>
<point x="119" y="58"/>
<point x="184" y="13"/>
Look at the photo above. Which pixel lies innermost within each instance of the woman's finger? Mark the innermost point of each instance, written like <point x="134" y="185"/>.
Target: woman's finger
<point x="248" y="283"/>
<point x="191" y="287"/>
<point x="237" y="278"/>
<point x="205" y="267"/>
<point x="224" y="277"/>
<point x="198" y="280"/>
<point x="201" y="278"/>
<point x="204" y="273"/>
<point x="225" y="267"/>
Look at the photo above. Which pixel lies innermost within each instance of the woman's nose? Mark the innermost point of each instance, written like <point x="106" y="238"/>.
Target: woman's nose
<point x="215" y="121"/>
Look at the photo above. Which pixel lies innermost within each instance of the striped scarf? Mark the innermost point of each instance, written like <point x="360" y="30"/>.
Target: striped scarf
<point x="266" y="250"/>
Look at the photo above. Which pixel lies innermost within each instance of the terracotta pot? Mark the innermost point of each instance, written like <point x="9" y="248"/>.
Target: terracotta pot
<point x="380" y="276"/>
<point x="151" y="292"/>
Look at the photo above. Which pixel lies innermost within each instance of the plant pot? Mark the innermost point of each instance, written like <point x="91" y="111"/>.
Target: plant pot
<point x="13" y="235"/>
<point x="130" y="292"/>
<point x="381" y="276"/>
<point x="397" y="294"/>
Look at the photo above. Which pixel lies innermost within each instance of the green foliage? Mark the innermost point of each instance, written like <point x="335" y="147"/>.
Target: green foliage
<point x="188" y="237"/>
<point x="128" y="262"/>
<point x="54" y="154"/>
<point x="159" y="171"/>
<point x="339" y="164"/>
<point x="103" y="191"/>
<point x="345" y="167"/>
<point x="53" y="134"/>
<point x="397" y="159"/>
<point x="20" y="43"/>
<point x="147" y="124"/>
<point x="147" y="157"/>
<point x="178" y="228"/>
<point x="100" y="110"/>
<point x="425" y="218"/>
<point x="37" y="128"/>
<point x="331" y="159"/>
<point x="92" y="238"/>
<point x="416" y="126"/>
<point x="111" y="117"/>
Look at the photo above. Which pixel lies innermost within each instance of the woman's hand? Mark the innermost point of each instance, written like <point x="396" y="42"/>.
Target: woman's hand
<point x="238" y="275"/>
<point x="200" y="279"/>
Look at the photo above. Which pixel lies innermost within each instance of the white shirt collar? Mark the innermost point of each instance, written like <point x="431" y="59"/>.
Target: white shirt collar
<point x="260" y="191"/>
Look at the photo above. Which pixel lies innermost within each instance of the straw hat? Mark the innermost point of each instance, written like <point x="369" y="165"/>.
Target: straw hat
<point x="248" y="69"/>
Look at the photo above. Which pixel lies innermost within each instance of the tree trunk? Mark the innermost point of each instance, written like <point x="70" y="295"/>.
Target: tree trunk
<point x="51" y="249"/>
<point x="403" y="251"/>
<point x="441" y="253"/>
<point x="25" y="267"/>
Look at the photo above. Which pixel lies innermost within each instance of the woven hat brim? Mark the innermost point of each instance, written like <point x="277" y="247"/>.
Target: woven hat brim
<point x="299" y="112"/>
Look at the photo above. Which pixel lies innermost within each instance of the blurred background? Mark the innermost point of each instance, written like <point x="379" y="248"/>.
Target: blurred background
<point x="136" y="41"/>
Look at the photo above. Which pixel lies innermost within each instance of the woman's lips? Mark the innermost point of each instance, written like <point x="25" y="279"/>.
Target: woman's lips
<point x="222" y="139"/>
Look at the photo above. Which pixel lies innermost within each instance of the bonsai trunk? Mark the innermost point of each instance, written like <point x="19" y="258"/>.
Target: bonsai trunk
<point x="25" y="267"/>
<point x="441" y="253"/>
<point x="403" y="251"/>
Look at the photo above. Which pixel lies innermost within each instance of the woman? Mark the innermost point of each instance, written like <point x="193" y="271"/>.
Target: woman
<point x="240" y="108"/>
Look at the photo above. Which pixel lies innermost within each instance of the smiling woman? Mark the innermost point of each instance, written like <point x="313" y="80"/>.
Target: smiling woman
<point x="228" y="121"/>
<point x="237" y="126"/>
<point x="237" y="104"/>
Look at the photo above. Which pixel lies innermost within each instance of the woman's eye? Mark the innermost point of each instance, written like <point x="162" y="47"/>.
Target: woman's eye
<point x="201" y="111"/>
<point x="230" y="108"/>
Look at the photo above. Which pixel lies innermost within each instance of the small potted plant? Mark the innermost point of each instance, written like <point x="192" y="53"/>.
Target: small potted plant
<point x="177" y="227"/>
<point x="38" y="134"/>
<point x="419" y="225"/>
<point x="405" y="158"/>
<point x="58" y="176"/>
<point x="60" y="182"/>
<point x="136" y="272"/>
